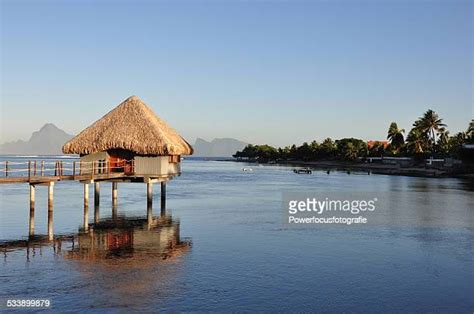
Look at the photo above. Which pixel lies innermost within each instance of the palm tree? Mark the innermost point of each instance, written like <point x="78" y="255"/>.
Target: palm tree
<point x="327" y="148"/>
<point x="350" y="152"/>
<point x="430" y="124"/>
<point x="416" y="141"/>
<point x="395" y="135"/>
<point x="456" y="143"/>
<point x="443" y="142"/>
<point x="470" y="130"/>
<point x="377" y="150"/>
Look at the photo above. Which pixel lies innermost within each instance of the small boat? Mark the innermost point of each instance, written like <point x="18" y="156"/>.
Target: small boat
<point x="247" y="169"/>
<point x="303" y="171"/>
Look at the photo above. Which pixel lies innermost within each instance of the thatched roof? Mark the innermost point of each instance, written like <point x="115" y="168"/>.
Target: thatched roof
<point x="132" y="126"/>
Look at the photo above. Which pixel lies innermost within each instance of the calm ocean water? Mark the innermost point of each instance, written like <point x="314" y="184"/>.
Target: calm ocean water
<point x="223" y="246"/>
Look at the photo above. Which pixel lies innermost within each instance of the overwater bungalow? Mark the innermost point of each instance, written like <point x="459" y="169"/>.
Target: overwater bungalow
<point x="132" y="140"/>
<point x="128" y="144"/>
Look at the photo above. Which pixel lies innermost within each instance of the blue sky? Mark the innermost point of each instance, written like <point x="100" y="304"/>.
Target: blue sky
<point x="276" y="72"/>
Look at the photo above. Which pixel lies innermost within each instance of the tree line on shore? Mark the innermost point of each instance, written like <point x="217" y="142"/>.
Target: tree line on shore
<point x="428" y="137"/>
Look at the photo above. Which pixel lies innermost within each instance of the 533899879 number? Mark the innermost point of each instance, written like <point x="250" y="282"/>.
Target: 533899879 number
<point x="11" y="303"/>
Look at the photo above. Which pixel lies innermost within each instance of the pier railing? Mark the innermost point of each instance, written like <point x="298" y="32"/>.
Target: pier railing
<point x="35" y="169"/>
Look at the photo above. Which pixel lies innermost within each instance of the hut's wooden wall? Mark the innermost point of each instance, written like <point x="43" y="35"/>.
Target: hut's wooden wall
<point x="156" y="166"/>
<point x="86" y="162"/>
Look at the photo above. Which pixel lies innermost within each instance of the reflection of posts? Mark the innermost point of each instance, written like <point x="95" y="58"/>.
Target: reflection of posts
<point x="121" y="237"/>
<point x="163" y="197"/>
<point x="114" y="212"/>
<point x="96" y="202"/>
<point x="50" y="210"/>
<point x="32" y="210"/>
<point x="86" y="206"/>
<point x="149" y="202"/>
<point x="96" y="214"/>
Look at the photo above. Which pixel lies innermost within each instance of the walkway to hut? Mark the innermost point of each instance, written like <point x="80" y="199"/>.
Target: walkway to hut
<point x="47" y="172"/>
<point x="37" y="172"/>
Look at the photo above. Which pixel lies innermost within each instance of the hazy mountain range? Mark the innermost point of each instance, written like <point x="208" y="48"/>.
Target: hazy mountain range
<point x="47" y="141"/>
<point x="50" y="139"/>
<point x="218" y="147"/>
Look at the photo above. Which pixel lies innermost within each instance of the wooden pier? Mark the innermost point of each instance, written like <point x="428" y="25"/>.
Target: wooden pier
<point x="128" y="144"/>
<point x="43" y="173"/>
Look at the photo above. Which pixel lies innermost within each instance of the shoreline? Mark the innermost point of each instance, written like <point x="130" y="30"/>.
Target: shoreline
<point x="384" y="169"/>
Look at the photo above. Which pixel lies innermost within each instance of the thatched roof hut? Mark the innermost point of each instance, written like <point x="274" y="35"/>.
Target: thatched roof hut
<point x="131" y="126"/>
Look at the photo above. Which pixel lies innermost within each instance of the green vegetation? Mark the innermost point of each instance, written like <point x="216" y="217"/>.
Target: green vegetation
<point x="428" y="137"/>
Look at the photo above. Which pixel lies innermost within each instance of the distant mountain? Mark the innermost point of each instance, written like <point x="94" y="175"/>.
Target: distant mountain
<point x="47" y="141"/>
<point x="218" y="147"/>
<point x="50" y="139"/>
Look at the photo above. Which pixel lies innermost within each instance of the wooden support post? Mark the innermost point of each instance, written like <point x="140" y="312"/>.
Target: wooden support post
<point x="32" y="210"/>
<point x="114" y="200"/>
<point x="114" y="193"/>
<point x="6" y="168"/>
<point x="74" y="170"/>
<point x="96" y="194"/>
<point x="96" y="201"/>
<point x="149" y="202"/>
<point x="50" y="226"/>
<point x="42" y="167"/>
<point x="86" y="206"/>
<point x="34" y="169"/>
<point x="29" y="170"/>
<point x="50" y="195"/>
<point x="50" y="210"/>
<point x="163" y="197"/>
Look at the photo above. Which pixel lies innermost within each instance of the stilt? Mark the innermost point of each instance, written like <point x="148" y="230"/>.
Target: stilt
<point x="50" y="210"/>
<point x="50" y="195"/>
<point x="32" y="210"/>
<point x="114" y="212"/>
<point x="149" y="202"/>
<point x="114" y="194"/>
<point x="86" y="206"/>
<point x="96" y="202"/>
<point x="96" y="194"/>
<point x="96" y="214"/>
<point x="163" y="198"/>
<point x="114" y="200"/>
<point x="50" y="225"/>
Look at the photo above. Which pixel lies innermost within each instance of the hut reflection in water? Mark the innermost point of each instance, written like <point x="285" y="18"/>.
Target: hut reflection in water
<point x="131" y="240"/>
<point x="121" y="262"/>
<point x="125" y="238"/>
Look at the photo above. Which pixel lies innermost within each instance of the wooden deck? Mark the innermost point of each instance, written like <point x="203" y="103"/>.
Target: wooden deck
<point x="46" y="179"/>
<point x="37" y="172"/>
